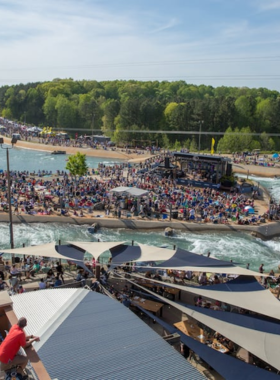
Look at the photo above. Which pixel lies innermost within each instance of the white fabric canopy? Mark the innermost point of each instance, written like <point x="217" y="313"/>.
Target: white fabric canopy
<point x="95" y="248"/>
<point x="134" y="191"/>
<point x="261" y="344"/>
<point x="235" y="270"/>
<point x="46" y="250"/>
<point x="261" y="301"/>
<point x="150" y="253"/>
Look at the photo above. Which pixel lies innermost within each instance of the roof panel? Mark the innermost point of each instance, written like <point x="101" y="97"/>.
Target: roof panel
<point x="102" y="339"/>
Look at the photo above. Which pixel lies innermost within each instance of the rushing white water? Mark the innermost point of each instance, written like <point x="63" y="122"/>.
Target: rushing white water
<point x="271" y="184"/>
<point x="239" y="247"/>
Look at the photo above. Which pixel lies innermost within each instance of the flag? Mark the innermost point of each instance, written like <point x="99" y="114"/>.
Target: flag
<point x="212" y="146"/>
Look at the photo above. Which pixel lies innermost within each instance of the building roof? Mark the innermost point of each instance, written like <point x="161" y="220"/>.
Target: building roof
<point x="133" y="191"/>
<point x="96" y="337"/>
<point x="199" y="157"/>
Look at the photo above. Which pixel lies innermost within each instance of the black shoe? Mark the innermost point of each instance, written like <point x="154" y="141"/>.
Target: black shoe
<point x="25" y="377"/>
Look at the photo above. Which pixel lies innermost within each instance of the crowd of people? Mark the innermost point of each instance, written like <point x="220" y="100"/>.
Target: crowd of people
<point x="43" y="193"/>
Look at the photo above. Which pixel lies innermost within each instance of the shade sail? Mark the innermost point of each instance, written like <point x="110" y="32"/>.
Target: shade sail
<point x="95" y="248"/>
<point x="140" y="253"/>
<point x="227" y="366"/>
<point x="133" y="191"/>
<point x="185" y="258"/>
<point x="124" y="253"/>
<point x="264" y="345"/>
<point x="253" y="297"/>
<point x="177" y="260"/>
<point x="235" y="270"/>
<point x="76" y="254"/>
<point x="46" y="250"/>
<point x="150" y="253"/>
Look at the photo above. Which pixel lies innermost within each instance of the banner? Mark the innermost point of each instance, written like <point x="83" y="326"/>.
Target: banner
<point x="212" y="146"/>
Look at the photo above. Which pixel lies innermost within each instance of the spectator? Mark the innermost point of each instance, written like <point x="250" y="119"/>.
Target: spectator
<point x="13" y="281"/>
<point x="21" y="289"/>
<point x="81" y="278"/>
<point x="35" y="268"/>
<point x="59" y="270"/>
<point x="15" y="272"/>
<point x="9" y="348"/>
<point x="42" y="284"/>
<point x="3" y="285"/>
<point x="58" y="282"/>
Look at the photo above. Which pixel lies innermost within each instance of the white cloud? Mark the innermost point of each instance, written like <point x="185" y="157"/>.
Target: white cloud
<point x="268" y="5"/>
<point x="89" y="40"/>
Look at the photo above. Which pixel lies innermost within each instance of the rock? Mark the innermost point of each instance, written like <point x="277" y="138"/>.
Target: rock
<point x="169" y="231"/>
<point x="98" y="206"/>
<point x="93" y="228"/>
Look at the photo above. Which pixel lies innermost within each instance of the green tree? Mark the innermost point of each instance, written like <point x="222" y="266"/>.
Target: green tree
<point x="255" y="144"/>
<point x="50" y="110"/>
<point x="111" y="109"/>
<point x="77" y="164"/>
<point x="89" y="111"/>
<point x="193" y="145"/>
<point x="66" y="113"/>
<point x="177" y="146"/>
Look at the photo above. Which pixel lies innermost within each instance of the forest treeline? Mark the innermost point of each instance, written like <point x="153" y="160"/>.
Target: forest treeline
<point x="122" y="109"/>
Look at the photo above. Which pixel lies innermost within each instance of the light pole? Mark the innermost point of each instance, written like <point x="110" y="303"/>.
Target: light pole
<point x="200" y="123"/>
<point x="92" y="125"/>
<point x="13" y="141"/>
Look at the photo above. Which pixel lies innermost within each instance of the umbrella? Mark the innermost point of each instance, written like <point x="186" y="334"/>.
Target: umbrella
<point x="275" y="155"/>
<point x="248" y="208"/>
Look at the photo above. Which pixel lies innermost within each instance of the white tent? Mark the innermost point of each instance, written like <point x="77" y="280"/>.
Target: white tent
<point x="95" y="248"/>
<point x="133" y="191"/>
<point x="46" y="250"/>
<point x="261" y="301"/>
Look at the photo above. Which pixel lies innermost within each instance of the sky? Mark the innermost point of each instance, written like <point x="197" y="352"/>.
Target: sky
<point x="211" y="42"/>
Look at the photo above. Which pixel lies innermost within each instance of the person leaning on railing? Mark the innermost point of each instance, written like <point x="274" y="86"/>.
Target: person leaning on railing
<point x="9" y="348"/>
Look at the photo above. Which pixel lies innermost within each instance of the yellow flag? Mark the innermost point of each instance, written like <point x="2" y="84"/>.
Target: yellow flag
<point x="212" y="146"/>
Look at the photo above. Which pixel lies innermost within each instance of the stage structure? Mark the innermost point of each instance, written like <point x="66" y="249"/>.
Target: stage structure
<point x="202" y="170"/>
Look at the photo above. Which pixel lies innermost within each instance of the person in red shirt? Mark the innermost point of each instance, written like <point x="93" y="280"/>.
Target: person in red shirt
<point x="9" y="348"/>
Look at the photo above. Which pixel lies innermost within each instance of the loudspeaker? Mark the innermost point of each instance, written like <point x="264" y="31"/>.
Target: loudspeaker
<point x="229" y="169"/>
<point x="166" y="162"/>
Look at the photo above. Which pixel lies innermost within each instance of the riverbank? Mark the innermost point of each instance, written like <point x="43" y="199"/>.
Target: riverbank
<point x="135" y="158"/>
<point x="108" y="153"/>
<point x="264" y="231"/>
<point x="259" y="171"/>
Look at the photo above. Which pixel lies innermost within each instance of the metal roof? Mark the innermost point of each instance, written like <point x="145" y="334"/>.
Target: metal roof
<point x="102" y="339"/>
<point x="42" y="307"/>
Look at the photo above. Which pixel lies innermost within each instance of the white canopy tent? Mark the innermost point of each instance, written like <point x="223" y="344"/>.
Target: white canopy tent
<point x="46" y="250"/>
<point x="95" y="248"/>
<point x="261" y="301"/>
<point x="133" y="191"/>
